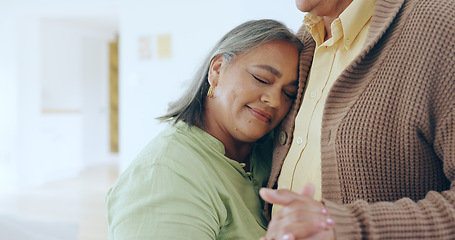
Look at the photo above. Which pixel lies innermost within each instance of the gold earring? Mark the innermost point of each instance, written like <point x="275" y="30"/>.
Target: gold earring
<point x="210" y="92"/>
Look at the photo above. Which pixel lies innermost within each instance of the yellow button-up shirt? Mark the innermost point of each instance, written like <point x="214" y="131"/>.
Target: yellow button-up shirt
<point x="303" y="162"/>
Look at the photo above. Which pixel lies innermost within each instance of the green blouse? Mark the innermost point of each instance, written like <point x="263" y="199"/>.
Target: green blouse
<point x="181" y="186"/>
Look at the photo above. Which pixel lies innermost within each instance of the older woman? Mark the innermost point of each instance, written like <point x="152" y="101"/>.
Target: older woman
<point x="199" y="178"/>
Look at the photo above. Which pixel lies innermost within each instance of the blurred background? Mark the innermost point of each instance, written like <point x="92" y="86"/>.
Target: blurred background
<point x="81" y="83"/>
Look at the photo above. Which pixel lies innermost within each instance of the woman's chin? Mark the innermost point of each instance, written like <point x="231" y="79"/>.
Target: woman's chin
<point x="252" y="137"/>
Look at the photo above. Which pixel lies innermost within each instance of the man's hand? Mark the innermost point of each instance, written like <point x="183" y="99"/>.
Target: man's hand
<point x="301" y="217"/>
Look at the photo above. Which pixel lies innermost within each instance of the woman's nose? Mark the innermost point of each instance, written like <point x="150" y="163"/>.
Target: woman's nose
<point x="272" y="97"/>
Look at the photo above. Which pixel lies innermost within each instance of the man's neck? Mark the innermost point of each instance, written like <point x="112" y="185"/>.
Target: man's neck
<point x="328" y="27"/>
<point x="335" y="13"/>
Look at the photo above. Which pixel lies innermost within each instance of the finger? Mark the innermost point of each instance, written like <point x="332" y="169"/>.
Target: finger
<point x="308" y="230"/>
<point x="288" y="237"/>
<point x="294" y="215"/>
<point x="299" y="230"/>
<point x="279" y="226"/>
<point x="282" y="196"/>
<point x="306" y="207"/>
<point x="322" y="235"/>
<point x="308" y="190"/>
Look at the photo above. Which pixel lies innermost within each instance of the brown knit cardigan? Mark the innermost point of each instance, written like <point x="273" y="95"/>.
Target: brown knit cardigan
<point x="388" y="130"/>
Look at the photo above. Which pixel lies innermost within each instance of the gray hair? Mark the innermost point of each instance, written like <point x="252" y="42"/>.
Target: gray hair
<point x="242" y="39"/>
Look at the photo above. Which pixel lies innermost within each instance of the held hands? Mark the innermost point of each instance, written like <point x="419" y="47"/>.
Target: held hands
<point x="301" y="217"/>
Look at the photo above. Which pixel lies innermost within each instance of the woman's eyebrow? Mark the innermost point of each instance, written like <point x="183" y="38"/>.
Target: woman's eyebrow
<point x="271" y="69"/>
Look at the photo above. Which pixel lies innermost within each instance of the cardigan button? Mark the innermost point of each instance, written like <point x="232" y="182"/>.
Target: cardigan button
<point x="283" y="137"/>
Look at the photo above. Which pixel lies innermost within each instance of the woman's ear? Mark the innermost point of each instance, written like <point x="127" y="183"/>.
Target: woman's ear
<point x="215" y="68"/>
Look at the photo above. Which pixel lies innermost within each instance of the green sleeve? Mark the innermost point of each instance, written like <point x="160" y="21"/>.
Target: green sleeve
<point x="162" y="202"/>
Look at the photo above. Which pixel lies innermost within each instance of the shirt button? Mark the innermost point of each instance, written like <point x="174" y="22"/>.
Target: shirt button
<point x="283" y="137"/>
<point x="348" y="42"/>
<point x="313" y="94"/>
<point x="299" y="140"/>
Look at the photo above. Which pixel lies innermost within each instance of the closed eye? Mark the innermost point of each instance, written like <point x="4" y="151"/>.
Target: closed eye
<point x="259" y="80"/>
<point x="290" y="95"/>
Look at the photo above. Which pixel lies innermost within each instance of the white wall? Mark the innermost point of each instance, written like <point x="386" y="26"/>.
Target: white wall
<point x="63" y="100"/>
<point x="8" y="92"/>
<point x="284" y="11"/>
<point x="55" y="89"/>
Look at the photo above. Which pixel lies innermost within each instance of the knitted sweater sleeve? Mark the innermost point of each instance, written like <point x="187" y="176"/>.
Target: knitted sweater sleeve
<point x="430" y="218"/>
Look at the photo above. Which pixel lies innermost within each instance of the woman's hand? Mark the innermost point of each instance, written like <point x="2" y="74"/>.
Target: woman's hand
<point x="301" y="217"/>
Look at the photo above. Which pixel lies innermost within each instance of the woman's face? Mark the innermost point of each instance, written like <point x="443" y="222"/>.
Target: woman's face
<point x="253" y="93"/>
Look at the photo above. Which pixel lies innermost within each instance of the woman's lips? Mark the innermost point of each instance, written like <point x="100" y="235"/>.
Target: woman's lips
<point x="260" y="115"/>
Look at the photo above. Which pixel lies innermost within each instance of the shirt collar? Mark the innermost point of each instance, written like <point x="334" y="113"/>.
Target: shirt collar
<point x="316" y="27"/>
<point x="347" y="26"/>
<point x="200" y="135"/>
